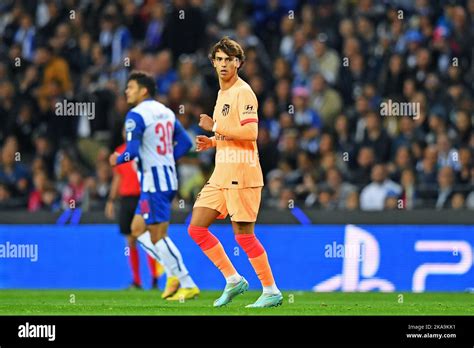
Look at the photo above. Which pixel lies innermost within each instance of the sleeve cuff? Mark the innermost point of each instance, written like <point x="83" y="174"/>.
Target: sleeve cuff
<point x="248" y="120"/>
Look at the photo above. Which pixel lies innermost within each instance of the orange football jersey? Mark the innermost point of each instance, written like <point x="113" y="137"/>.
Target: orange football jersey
<point x="237" y="163"/>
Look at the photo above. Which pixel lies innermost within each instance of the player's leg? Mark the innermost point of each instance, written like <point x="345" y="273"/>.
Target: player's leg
<point x="198" y="229"/>
<point x="139" y="230"/>
<point x="157" y="221"/>
<point x="153" y="266"/>
<point x="143" y="237"/>
<point x="209" y="206"/>
<point x="244" y="210"/>
<point x="172" y="258"/>
<point x="126" y="211"/>
<point x="134" y="262"/>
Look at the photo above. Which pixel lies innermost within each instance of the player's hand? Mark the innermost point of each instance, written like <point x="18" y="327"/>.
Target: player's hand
<point x="205" y="122"/>
<point x="203" y="143"/>
<point x="113" y="159"/>
<point x="110" y="210"/>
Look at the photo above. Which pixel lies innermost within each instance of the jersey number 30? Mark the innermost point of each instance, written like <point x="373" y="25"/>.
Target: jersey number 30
<point x="165" y="138"/>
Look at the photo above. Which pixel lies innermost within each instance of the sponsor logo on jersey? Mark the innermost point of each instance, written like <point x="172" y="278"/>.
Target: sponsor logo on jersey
<point x="250" y="109"/>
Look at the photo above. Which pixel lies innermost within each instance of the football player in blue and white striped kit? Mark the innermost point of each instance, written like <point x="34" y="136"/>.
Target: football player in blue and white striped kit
<point x="156" y="139"/>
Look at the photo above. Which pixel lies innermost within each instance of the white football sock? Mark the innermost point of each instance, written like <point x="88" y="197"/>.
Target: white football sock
<point x="234" y="278"/>
<point x="145" y="241"/>
<point x="147" y="245"/>
<point x="271" y="290"/>
<point x="172" y="258"/>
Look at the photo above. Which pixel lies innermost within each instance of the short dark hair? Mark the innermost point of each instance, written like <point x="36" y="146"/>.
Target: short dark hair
<point x="144" y="80"/>
<point x="229" y="47"/>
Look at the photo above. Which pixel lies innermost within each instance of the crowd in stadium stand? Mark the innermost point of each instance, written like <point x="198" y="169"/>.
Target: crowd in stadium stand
<point x="322" y="71"/>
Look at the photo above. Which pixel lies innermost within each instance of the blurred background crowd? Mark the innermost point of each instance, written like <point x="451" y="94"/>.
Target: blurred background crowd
<point x="320" y="70"/>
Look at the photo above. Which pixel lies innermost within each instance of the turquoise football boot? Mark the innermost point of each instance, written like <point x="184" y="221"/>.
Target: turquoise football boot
<point x="267" y="300"/>
<point x="230" y="291"/>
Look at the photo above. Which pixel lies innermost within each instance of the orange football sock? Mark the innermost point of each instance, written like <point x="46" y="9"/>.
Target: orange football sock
<point x="262" y="268"/>
<point x="213" y="249"/>
<point x="218" y="256"/>
<point x="257" y="257"/>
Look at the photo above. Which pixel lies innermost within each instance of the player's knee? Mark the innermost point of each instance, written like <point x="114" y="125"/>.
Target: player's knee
<point x="250" y="244"/>
<point x="156" y="239"/>
<point x="136" y="231"/>
<point x="202" y="237"/>
<point x="194" y="232"/>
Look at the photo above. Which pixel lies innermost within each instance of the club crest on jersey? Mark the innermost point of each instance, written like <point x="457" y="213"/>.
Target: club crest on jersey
<point x="130" y="125"/>
<point x="225" y="110"/>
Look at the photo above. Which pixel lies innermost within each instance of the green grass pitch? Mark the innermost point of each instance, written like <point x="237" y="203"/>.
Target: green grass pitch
<point x="80" y="302"/>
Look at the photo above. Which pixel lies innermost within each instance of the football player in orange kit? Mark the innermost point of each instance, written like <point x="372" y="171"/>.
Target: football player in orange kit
<point x="235" y="186"/>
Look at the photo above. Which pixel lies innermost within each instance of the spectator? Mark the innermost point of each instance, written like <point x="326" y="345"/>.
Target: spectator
<point x="341" y="190"/>
<point x="325" y="100"/>
<point x="345" y="146"/>
<point x="154" y="31"/>
<point x="446" y="189"/>
<point x="470" y="201"/>
<point x="273" y="188"/>
<point x="325" y="60"/>
<point x="373" y="195"/>
<point x="365" y="160"/>
<point x="23" y="128"/>
<point x="12" y="171"/>
<point x="447" y="155"/>
<point x="41" y="185"/>
<point x="306" y="119"/>
<point x="184" y="34"/>
<point x="26" y="36"/>
<point x="463" y="176"/>
<point x="376" y="137"/>
<point x="55" y="71"/>
<point x="266" y="151"/>
<point x="352" y="201"/>
<point x="326" y="199"/>
<point x="391" y="202"/>
<point x="410" y="194"/>
<point x="457" y="201"/>
<point x="98" y="187"/>
<point x="165" y="74"/>
<point x="74" y="192"/>
<point x="402" y="161"/>
<point x="427" y="168"/>
<point x="302" y="72"/>
<point x="463" y="128"/>
<point x="115" y="39"/>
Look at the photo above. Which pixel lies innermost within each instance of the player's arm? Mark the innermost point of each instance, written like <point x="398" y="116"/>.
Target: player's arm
<point x="204" y="143"/>
<point x="134" y="128"/>
<point x="182" y="140"/>
<point x="247" y="109"/>
<point x="246" y="131"/>
<point x="113" y="195"/>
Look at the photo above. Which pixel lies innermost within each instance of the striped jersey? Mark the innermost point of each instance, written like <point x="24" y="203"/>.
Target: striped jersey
<point x="153" y="124"/>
